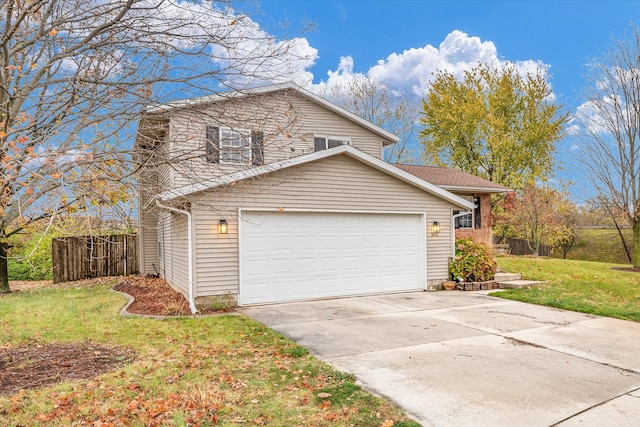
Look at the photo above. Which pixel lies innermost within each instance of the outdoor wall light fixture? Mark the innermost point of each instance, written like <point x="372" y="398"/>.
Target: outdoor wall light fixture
<point x="222" y="227"/>
<point x="435" y="228"/>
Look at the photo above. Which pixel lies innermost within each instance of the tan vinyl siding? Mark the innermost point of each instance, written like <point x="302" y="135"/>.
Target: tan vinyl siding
<point x="165" y="168"/>
<point x="147" y="221"/>
<point x="288" y="120"/>
<point x="148" y="235"/>
<point x="174" y="262"/>
<point x="335" y="183"/>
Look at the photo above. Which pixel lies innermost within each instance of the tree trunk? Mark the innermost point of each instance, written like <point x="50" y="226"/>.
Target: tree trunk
<point x="534" y="246"/>
<point x="636" y="244"/>
<point x="624" y="243"/>
<point x="4" y="273"/>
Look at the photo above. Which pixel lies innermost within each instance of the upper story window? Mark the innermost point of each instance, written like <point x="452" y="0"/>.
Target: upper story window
<point x="469" y="219"/>
<point x="234" y="146"/>
<point x="325" y="142"/>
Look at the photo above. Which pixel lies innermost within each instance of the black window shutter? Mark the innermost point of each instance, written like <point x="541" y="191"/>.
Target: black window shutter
<point x="476" y="212"/>
<point x="257" y="148"/>
<point x="213" y="144"/>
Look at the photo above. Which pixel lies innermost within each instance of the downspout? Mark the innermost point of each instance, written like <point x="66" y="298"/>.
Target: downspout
<point x="463" y="213"/>
<point x="192" y="305"/>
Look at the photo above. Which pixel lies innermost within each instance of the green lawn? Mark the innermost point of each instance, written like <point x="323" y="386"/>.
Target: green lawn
<point x="598" y="244"/>
<point x="224" y="370"/>
<point x="588" y="287"/>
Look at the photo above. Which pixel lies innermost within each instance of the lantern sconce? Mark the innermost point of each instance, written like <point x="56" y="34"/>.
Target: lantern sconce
<point x="223" y="227"/>
<point x="435" y="228"/>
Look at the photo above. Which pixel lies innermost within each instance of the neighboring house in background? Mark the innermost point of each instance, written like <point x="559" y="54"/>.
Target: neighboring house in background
<point x="276" y="194"/>
<point x="475" y="223"/>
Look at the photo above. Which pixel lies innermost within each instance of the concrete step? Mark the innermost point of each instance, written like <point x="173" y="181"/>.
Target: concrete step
<point x="506" y="277"/>
<point x="518" y="284"/>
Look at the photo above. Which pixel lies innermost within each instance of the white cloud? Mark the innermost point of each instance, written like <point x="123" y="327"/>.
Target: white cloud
<point x="573" y="129"/>
<point x="588" y="118"/>
<point x="411" y="71"/>
<point x="247" y="54"/>
<point x="250" y="55"/>
<point x="254" y="56"/>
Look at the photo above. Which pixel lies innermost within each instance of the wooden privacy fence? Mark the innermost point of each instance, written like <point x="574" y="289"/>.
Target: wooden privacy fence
<point x="521" y="247"/>
<point x="85" y="257"/>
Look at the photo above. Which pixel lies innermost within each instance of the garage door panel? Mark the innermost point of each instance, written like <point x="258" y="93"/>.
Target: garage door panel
<point x="315" y="255"/>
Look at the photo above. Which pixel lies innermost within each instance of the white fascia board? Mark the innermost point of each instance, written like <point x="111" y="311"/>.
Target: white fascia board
<point x="273" y="88"/>
<point x="475" y="189"/>
<point x="346" y="149"/>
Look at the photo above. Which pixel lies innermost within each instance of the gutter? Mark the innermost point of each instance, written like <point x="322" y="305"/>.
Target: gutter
<point x="463" y="213"/>
<point x="192" y="305"/>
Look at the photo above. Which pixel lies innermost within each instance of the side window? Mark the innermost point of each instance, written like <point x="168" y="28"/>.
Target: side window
<point x="326" y="142"/>
<point x="234" y="146"/>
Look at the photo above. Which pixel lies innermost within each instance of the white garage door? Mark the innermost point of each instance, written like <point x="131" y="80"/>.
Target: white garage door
<point x="294" y="255"/>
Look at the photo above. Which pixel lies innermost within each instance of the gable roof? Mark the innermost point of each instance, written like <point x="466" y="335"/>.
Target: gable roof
<point x="453" y="179"/>
<point x="389" y="138"/>
<point x="307" y="158"/>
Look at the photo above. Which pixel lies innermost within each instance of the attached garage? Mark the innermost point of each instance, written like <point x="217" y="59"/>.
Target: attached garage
<point x="286" y="256"/>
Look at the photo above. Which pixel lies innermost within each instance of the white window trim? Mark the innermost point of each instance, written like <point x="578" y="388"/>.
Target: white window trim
<point x="221" y="147"/>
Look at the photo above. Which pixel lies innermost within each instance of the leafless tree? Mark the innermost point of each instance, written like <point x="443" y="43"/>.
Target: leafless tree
<point x="75" y="74"/>
<point x="610" y="120"/>
<point x="396" y="113"/>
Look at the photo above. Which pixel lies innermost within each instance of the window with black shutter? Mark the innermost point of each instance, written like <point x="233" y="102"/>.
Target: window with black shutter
<point x="230" y="146"/>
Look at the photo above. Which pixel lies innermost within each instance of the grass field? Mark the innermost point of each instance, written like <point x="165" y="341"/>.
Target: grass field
<point x="599" y="244"/>
<point x="223" y="370"/>
<point x="588" y="287"/>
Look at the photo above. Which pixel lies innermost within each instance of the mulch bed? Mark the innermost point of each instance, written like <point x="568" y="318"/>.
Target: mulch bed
<point x="153" y="296"/>
<point x="38" y="366"/>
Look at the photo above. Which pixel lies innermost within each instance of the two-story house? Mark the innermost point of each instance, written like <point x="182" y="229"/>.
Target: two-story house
<point x="276" y="194"/>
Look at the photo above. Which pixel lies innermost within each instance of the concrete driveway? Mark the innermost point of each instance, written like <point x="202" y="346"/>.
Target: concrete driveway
<point x="467" y="359"/>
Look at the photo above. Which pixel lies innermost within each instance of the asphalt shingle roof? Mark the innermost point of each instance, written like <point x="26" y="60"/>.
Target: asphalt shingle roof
<point x="453" y="179"/>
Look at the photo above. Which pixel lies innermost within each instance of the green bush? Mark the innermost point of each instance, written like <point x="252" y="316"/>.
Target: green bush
<point x="35" y="247"/>
<point x="473" y="262"/>
<point x="24" y="271"/>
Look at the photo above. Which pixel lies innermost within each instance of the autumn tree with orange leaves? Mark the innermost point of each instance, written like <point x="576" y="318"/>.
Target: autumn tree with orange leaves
<point x="74" y="76"/>
<point x="540" y="215"/>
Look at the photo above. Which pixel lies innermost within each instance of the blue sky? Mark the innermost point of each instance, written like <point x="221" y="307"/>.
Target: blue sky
<point x="396" y="41"/>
